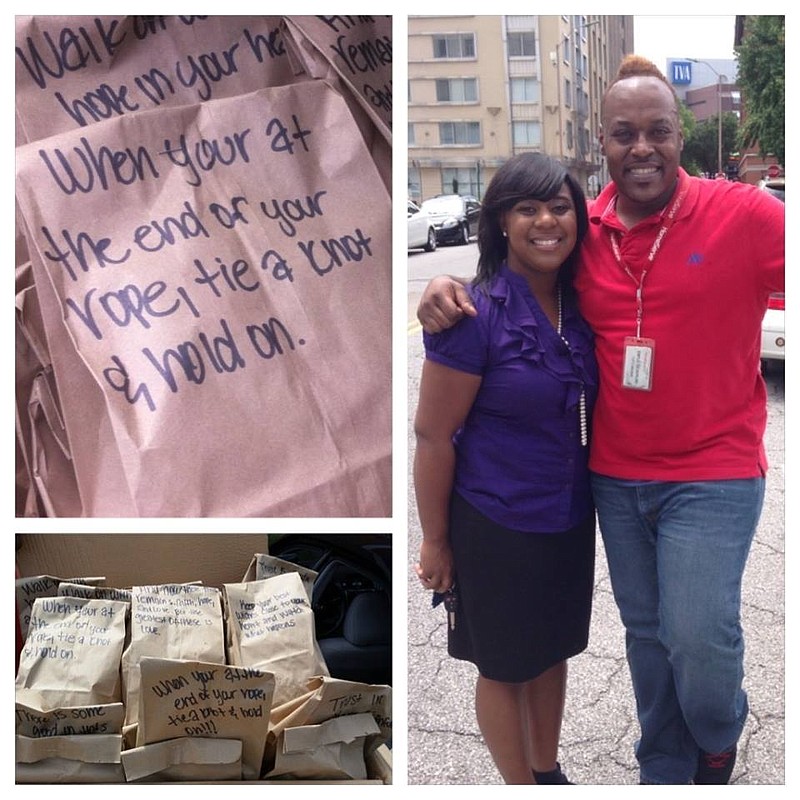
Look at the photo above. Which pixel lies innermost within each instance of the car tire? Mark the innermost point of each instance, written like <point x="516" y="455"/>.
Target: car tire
<point x="430" y="245"/>
<point x="464" y="233"/>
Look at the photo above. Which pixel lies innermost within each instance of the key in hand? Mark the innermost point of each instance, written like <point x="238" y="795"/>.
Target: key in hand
<point x="450" y="603"/>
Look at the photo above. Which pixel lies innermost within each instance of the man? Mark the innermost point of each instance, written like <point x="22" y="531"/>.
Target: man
<point x="674" y="280"/>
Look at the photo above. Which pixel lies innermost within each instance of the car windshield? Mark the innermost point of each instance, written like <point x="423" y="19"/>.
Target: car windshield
<point x="443" y="205"/>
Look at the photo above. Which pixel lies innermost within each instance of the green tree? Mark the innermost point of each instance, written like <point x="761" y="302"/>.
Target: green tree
<point x="701" y="147"/>
<point x="688" y="124"/>
<point x="762" y="79"/>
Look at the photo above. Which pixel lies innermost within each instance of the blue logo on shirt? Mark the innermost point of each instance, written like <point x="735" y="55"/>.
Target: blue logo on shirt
<point x="695" y="259"/>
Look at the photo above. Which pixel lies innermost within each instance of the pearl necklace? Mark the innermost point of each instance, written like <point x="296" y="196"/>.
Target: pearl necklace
<point x="582" y="402"/>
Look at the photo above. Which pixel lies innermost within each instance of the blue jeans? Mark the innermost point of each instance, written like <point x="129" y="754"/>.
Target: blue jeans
<point x="676" y="554"/>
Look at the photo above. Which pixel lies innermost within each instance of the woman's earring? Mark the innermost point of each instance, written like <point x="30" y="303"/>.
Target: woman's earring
<point x="505" y="234"/>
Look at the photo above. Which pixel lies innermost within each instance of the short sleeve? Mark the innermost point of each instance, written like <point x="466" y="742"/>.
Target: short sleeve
<point x="769" y="223"/>
<point x="464" y="347"/>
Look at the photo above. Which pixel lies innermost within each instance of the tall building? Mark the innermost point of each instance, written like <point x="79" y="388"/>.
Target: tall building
<point x="706" y="86"/>
<point x="483" y="88"/>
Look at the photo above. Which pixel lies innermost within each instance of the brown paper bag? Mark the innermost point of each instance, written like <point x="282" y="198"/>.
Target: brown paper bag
<point x="329" y="750"/>
<point x="198" y="699"/>
<point x="75" y="71"/>
<point x="355" y="54"/>
<point x="71" y="656"/>
<point x="358" y="49"/>
<point x="199" y="312"/>
<point x="186" y="759"/>
<point x="76" y="721"/>
<point x="326" y="699"/>
<point x="265" y="566"/>
<point x="69" y="759"/>
<point x="272" y="628"/>
<point x="174" y="621"/>
<point x="29" y="588"/>
<point x="70" y="589"/>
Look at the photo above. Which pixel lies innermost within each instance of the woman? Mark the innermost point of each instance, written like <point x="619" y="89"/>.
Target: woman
<point x="500" y="468"/>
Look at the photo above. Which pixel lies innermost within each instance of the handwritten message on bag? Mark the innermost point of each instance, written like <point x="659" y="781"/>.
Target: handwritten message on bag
<point x="72" y="653"/>
<point x="190" y="698"/>
<point x="175" y="621"/>
<point x="75" y="71"/>
<point x="206" y="261"/>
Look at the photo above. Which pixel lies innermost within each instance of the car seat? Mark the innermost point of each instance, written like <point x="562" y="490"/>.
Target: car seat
<point x="363" y="652"/>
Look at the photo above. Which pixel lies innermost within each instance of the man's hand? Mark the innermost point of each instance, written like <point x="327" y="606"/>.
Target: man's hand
<point x="444" y="302"/>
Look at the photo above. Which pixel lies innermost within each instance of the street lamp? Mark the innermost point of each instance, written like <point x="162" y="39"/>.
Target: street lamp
<point x="719" y="111"/>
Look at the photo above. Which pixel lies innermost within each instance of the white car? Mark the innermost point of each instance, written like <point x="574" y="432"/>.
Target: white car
<point x="773" y="333"/>
<point x="421" y="232"/>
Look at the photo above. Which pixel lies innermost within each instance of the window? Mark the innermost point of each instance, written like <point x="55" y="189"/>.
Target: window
<point x="454" y="45"/>
<point x="583" y="142"/>
<point x="457" y="90"/>
<point x="526" y="133"/>
<point x="414" y="183"/>
<point x="565" y="49"/>
<point x="411" y="139"/>
<point x="459" y="133"/>
<point x="525" y="90"/>
<point x="567" y="93"/>
<point x="461" y="180"/>
<point x="569" y="135"/>
<point x="521" y="43"/>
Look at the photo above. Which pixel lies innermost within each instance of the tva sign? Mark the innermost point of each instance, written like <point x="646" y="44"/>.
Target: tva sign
<point x="681" y="73"/>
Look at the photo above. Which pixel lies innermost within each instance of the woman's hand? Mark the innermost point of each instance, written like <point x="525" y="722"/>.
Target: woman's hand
<point x="435" y="567"/>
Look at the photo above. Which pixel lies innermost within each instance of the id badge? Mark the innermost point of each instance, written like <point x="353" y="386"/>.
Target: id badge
<point x="637" y="364"/>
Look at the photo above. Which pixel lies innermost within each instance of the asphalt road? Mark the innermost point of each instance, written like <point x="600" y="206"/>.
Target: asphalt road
<point x="600" y="728"/>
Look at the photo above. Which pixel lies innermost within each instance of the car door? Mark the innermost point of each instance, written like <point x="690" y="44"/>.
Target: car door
<point x="473" y="213"/>
<point x="417" y="226"/>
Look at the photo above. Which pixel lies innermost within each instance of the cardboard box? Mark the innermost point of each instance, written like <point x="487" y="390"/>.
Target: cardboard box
<point x="151" y="558"/>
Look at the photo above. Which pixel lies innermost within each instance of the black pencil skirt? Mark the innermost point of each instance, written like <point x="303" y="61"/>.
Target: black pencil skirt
<point x="524" y="599"/>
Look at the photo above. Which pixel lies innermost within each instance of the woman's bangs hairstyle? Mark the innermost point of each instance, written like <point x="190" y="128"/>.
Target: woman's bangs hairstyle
<point x="528" y="175"/>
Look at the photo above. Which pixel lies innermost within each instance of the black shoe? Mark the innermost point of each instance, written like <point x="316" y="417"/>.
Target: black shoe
<point x="715" y="767"/>
<point x="553" y="776"/>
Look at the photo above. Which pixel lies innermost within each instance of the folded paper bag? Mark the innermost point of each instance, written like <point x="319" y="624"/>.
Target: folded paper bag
<point x="185" y="759"/>
<point x="333" y="749"/>
<point x="69" y="759"/>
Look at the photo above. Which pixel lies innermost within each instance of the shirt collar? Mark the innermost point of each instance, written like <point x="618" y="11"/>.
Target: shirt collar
<point x="604" y="208"/>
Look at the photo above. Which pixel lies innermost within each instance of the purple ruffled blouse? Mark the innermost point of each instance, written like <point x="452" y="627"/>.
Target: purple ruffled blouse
<point x="519" y="458"/>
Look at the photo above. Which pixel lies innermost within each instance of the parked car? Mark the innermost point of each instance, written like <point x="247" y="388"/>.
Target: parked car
<point x="351" y="599"/>
<point x="775" y="186"/>
<point x="421" y="232"/>
<point x="455" y="217"/>
<point x="773" y="332"/>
